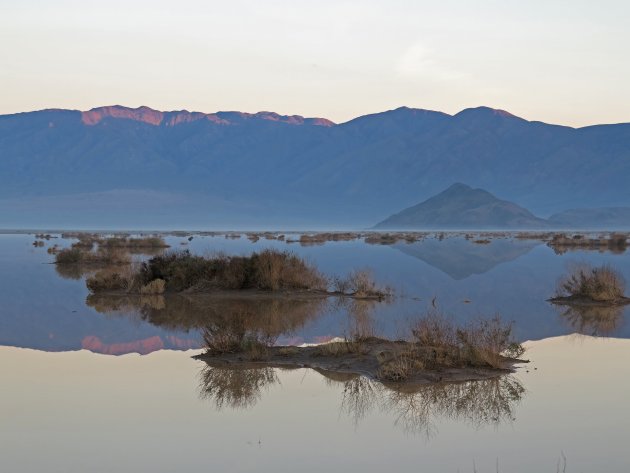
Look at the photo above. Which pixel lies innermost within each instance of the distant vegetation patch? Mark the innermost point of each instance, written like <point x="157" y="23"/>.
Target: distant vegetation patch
<point x="94" y="249"/>
<point x="615" y="242"/>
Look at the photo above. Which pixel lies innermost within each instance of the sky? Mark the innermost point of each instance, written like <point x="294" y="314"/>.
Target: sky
<point x="557" y="61"/>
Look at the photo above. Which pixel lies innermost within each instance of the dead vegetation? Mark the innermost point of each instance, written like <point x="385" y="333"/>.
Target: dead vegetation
<point x="268" y="271"/>
<point x="587" y="285"/>
<point x="360" y="284"/>
<point x="437" y="350"/>
<point x="309" y="239"/>
<point x="83" y="256"/>
<point x="94" y="249"/>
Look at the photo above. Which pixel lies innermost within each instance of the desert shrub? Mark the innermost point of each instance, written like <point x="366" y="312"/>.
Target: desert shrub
<point x="106" y="281"/>
<point x="274" y="270"/>
<point x="600" y="284"/>
<point x="255" y="349"/>
<point x="333" y="349"/>
<point x="269" y="270"/>
<point x="180" y="270"/>
<point x="224" y="338"/>
<point x="360" y="283"/>
<point x="115" y="280"/>
<point x="69" y="256"/>
<point x="288" y="351"/>
<point x="435" y="330"/>
<point x="122" y="242"/>
<point x="154" y="287"/>
<point x="483" y="342"/>
<point x="109" y="256"/>
<point x="400" y="368"/>
<point x="236" y="337"/>
<point x="85" y="255"/>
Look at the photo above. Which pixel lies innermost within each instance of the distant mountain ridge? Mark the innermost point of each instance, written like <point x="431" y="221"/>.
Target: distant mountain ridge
<point x="157" y="118"/>
<point x="606" y="217"/>
<point x="461" y="206"/>
<point x="234" y="169"/>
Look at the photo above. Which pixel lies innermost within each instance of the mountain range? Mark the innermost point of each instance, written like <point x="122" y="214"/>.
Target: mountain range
<point x="125" y="167"/>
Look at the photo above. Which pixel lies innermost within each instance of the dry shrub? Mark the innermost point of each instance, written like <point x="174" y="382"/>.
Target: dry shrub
<point x="485" y="340"/>
<point x="84" y="255"/>
<point x="269" y="270"/>
<point x="288" y="351"/>
<point x="122" y="242"/>
<point x="234" y="336"/>
<point x="435" y="330"/>
<point x="255" y="350"/>
<point x="110" y="280"/>
<point x="400" y="368"/>
<point x="333" y="349"/>
<point x="602" y="284"/>
<point x="69" y="256"/>
<point x="224" y="338"/>
<point x="154" y="287"/>
<point x="274" y="270"/>
<point x="106" y="281"/>
<point x="482" y="342"/>
<point x="360" y="283"/>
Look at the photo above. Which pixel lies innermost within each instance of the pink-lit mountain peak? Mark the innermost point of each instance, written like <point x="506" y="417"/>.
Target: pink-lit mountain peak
<point x="156" y="117"/>
<point x="479" y="112"/>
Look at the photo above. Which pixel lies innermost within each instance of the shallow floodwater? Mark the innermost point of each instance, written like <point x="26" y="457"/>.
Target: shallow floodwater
<point x="67" y="404"/>
<point x="46" y="309"/>
<point x="77" y="412"/>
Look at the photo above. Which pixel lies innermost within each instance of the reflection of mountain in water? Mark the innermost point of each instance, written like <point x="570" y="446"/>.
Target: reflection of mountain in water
<point x="460" y="258"/>
<point x="414" y="408"/>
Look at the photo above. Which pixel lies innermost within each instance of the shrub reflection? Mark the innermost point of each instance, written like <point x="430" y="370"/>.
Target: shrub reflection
<point x="415" y="408"/>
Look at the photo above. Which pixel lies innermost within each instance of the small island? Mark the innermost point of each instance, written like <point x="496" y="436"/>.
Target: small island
<point x="595" y="287"/>
<point x="437" y="350"/>
<point x="266" y="272"/>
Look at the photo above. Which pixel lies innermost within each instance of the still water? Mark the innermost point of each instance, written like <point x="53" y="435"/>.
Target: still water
<point x="79" y="411"/>
<point x="68" y="405"/>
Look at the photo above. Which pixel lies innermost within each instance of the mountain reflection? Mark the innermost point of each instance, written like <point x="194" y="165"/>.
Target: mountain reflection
<point x="415" y="408"/>
<point x="460" y="258"/>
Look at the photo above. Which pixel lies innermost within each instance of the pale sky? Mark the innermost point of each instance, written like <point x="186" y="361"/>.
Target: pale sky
<point x="559" y="61"/>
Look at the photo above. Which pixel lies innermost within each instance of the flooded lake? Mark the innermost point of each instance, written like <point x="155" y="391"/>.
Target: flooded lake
<point x="109" y="384"/>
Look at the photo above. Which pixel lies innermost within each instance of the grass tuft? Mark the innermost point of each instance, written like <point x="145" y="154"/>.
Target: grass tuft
<point x="602" y="284"/>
